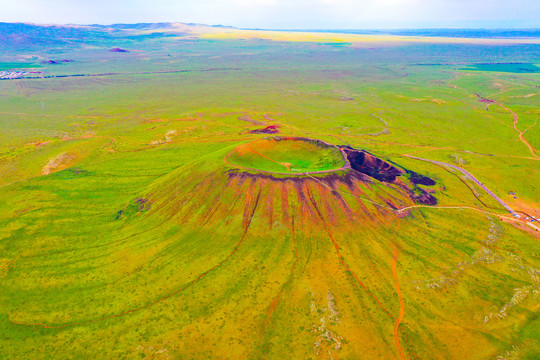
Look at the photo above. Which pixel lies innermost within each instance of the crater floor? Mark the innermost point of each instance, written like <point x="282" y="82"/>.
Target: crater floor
<point x="288" y="155"/>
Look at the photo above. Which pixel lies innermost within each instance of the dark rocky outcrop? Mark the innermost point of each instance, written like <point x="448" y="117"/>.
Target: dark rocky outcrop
<point x="418" y="179"/>
<point x="422" y="197"/>
<point x="271" y="129"/>
<point x="371" y="165"/>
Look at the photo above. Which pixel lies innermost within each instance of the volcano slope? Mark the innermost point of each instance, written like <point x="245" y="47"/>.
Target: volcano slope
<point x="216" y="260"/>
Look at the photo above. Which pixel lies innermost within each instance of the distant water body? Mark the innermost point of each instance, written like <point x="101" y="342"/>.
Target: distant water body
<point x="462" y="33"/>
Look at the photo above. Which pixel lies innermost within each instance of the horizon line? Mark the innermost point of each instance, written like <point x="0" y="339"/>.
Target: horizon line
<point x="278" y="29"/>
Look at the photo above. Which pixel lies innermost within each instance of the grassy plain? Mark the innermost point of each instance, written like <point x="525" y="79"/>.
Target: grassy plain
<point x="124" y="233"/>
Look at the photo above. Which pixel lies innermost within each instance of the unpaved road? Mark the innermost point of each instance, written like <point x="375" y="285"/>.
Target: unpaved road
<point x="470" y="176"/>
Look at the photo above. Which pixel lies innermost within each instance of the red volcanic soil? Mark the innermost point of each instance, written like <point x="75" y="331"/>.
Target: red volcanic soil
<point x="271" y="129"/>
<point x="116" y="49"/>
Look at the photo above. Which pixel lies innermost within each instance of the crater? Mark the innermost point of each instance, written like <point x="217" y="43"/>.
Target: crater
<point x="295" y="159"/>
<point x="288" y="155"/>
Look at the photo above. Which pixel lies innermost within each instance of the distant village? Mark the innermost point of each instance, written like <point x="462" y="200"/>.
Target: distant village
<point x="14" y="74"/>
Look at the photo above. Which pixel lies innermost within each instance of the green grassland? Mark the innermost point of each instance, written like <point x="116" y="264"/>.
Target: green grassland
<point x="127" y="231"/>
<point x="17" y="65"/>
<point x="511" y="68"/>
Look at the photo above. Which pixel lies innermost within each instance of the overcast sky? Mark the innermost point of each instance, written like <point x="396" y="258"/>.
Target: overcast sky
<point x="282" y="14"/>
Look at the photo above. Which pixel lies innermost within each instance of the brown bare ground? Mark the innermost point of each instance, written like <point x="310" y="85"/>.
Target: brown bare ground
<point x="60" y="162"/>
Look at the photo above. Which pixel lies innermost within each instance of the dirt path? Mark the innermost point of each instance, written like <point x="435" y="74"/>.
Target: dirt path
<point x="340" y="256"/>
<point x="399" y="318"/>
<point x="521" y="137"/>
<point x="286" y="165"/>
<point x="515" y="117"/>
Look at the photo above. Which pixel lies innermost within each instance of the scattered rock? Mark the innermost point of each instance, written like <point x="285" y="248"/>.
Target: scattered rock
<point x="458" y="159"/>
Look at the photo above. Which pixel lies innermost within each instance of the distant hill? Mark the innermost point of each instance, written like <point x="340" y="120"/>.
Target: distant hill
<point x="24" y="36"/>
<point x="33" y="36"/>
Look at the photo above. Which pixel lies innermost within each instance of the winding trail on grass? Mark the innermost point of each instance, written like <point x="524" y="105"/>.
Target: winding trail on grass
<point x="515" y="118"/>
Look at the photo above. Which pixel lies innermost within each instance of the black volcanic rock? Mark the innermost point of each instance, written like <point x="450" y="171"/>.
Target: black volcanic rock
<point x="418" y="179"/>
<point x="370" y="165"/>
<point x="271" y="129"/>
<point x="422" y="197"/>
